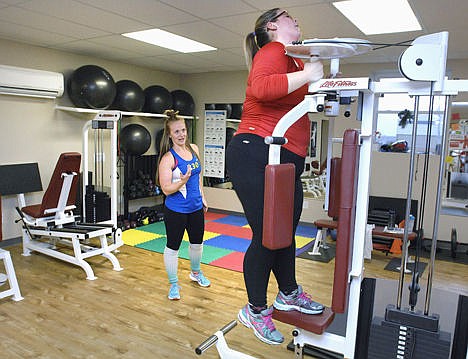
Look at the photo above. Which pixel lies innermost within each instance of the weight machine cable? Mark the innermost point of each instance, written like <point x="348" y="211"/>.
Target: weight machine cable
<point x="411" y="179"/>
<point x="414" y="286"/>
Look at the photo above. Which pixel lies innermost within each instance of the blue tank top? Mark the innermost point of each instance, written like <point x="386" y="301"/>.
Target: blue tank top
<point x="188" y="198"/>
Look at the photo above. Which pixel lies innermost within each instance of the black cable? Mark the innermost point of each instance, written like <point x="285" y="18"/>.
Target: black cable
<point x="331" y="41"/>
<point x="422" y="201"/>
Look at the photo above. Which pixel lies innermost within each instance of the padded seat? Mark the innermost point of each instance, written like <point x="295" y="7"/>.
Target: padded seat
<point x="68" y="162"/>
<point x="326" y="223"/>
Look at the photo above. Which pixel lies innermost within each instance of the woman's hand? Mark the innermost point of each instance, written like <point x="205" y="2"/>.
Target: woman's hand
<point x="185" y="177"/>
<point x="314" y="70"/>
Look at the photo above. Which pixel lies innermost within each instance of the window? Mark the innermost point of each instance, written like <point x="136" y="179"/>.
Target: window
<point x="391" y="129"/>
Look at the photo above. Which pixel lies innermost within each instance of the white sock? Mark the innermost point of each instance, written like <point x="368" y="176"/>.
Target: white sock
<point x="171" y="260"/>
<point x="195" y="254"/>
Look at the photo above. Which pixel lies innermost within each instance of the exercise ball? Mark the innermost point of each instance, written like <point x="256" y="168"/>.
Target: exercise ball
<point x="134" y="139"/>
<point x="130" y="96"/>
<point x="183" y="102"/>
<point x="236" y="110"/>
<point x="210" y="106"/>
<point x="157" y="99"/>
<point x="91" y="86"/>
<point x="224" y="106"/>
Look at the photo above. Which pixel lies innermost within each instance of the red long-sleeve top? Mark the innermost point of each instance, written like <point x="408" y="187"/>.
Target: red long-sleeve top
<point x="267" y="99"/>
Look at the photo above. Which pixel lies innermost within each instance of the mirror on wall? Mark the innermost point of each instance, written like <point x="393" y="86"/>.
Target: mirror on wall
<point x="456" y="160"/>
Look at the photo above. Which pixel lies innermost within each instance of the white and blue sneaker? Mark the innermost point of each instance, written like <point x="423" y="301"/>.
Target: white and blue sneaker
<point x="297" y="300"/>
<point x="262" y="324"/>
<point x="174" y="293"/>
<point x="200" y="279"/>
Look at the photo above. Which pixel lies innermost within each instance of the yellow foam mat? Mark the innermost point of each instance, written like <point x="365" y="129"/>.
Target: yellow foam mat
<point x="206" y="235"/>
<point x="132" y="237"/>
<point x="302" y="241"/>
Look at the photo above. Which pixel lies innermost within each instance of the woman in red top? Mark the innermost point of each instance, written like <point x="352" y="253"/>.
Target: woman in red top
<point x="275" y="85"/>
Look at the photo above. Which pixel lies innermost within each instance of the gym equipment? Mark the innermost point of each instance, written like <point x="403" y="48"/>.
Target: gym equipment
<point x="223" y="349"/>
<point x="52" y="223"/>
<point x="103" y="123"/>
<point x="224" y="107"/>
<point x="454" y="250"/>
<point x="430" y="50"/>
<point x="135" y="139"/>
<point x="129" y="97"/>
<point x="91" y="86"/>
<point x="13" y="290"/>
<point x="157" y="99"/>
<point x="236" y="110"/>
<point x="183" y="102"/>
<point x="333" y="203"/>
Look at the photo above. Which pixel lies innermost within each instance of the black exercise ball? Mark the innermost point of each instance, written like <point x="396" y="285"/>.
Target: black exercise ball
<point x="210" y="106"/>
<point x="157" y="99"/>
<point x="183" y="102"/>
<point x="224" y="106"/>
<point x="91" y="86"/>
<point x="236" y="110"/>
<point x="134" y="139"/>
<point x="130" y="96"/>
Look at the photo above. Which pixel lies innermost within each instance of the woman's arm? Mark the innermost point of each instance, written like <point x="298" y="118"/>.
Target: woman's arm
<point x="274" y="75"/>
<point x="313" y="71"/>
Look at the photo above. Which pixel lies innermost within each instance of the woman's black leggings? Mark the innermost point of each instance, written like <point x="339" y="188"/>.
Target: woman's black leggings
<point x="246" y="158"/>
<point x="176" y="223"/>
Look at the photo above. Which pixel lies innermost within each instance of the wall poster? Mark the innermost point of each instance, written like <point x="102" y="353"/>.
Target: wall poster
<point x="215" y="143"/>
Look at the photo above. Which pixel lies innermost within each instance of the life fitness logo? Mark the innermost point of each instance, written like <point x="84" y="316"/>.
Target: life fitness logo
<point x="338" y="83"/>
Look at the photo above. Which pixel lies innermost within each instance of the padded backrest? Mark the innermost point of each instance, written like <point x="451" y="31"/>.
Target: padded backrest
<point x="346" y="217"/>
<point x="68" y="162"/>
<point x="334" y="192"/>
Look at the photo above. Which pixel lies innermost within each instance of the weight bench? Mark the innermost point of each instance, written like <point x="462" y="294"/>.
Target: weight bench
<point x="343" y="278"/>
<point x="52" y="222"/>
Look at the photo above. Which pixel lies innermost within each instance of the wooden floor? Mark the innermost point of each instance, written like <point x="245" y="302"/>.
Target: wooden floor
<point x="127" y="314"/>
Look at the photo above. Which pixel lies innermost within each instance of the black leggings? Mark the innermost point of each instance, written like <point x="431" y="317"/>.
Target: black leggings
<point x="246" y="158"/>
<point x="176" y="223"/>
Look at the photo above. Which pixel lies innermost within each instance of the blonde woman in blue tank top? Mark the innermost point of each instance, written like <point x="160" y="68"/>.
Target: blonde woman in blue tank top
<point x="179" y="176"/>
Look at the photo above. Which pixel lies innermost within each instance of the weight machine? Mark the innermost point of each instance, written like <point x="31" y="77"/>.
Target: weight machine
<point x="52" y="222"/>
<point x="423" y="64"/>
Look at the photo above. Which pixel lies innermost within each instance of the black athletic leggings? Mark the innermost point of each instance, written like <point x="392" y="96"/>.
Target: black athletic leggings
<point x="246" y="158"/>
<point x="176" y="223"/>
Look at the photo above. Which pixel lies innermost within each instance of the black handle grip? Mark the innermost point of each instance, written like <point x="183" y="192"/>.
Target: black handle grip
<point x="270" y="140"/>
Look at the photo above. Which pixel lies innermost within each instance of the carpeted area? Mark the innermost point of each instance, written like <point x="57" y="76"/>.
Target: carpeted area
<point x="226" y="239"/>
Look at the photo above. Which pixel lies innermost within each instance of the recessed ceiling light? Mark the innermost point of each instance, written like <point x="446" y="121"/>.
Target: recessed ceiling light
<point x="379" y="16"/>
<point x="169" y="40"/>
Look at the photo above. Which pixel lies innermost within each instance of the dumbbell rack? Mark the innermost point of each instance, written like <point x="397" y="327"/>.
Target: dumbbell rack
<point x="132" y="164"/>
